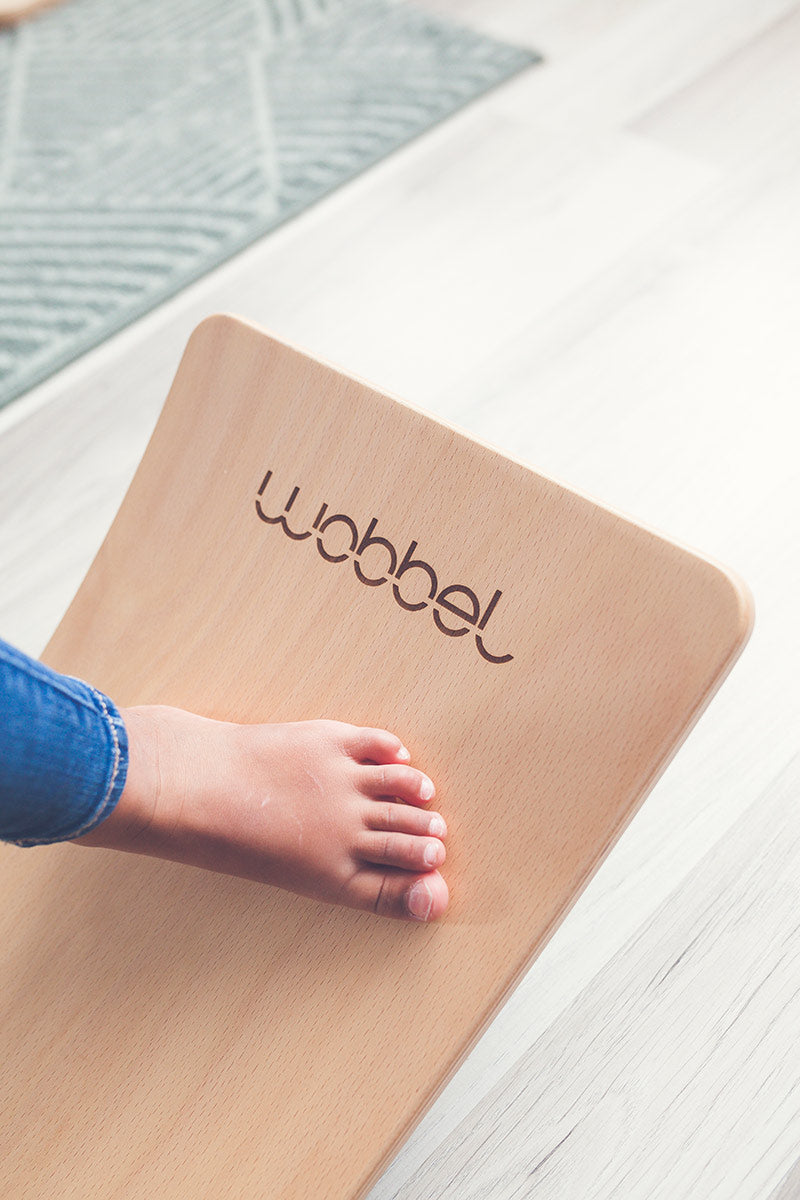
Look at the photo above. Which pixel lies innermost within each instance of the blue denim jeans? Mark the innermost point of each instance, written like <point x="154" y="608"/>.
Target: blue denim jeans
<point x="63" y="753"/>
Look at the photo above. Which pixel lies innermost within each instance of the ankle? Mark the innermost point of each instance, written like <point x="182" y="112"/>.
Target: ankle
<point x="132" y="822"/>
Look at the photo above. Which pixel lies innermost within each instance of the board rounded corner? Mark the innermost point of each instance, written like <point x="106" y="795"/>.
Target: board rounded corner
<point x="739" y="604"/>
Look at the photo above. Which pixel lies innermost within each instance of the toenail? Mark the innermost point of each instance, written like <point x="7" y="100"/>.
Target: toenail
<point x="426" y="789"/>
<point x="430" y="855"/>
<point x="437" y="827"/>
<point x="420" y="901"/>
<point x="404" y="754"/>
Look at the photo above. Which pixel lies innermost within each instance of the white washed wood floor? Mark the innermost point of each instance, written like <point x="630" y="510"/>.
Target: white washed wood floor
<point x="597" y="268"/>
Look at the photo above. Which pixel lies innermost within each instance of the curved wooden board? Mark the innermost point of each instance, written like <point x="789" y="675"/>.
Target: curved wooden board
<point x="173" y="1032"/>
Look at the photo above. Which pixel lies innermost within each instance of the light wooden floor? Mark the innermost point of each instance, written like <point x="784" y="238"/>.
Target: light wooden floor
<point x="597" y="268"/>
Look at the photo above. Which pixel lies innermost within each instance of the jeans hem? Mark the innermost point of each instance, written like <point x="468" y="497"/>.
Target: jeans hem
<point x="114" y="788"/>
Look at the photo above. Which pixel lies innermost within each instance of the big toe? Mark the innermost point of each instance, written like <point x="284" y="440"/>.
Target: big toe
<point x="410" y="897"/>
<point x="427" y="898"/>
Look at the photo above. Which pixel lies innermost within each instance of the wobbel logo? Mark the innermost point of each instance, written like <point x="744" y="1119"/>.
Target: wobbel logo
<point x="446" y="603"/>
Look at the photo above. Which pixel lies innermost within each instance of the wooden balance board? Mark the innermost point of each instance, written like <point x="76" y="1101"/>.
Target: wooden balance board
<point x="296" y="544"/>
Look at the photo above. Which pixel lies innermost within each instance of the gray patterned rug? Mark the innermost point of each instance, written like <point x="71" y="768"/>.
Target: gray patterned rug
<point x="143" y="142"/>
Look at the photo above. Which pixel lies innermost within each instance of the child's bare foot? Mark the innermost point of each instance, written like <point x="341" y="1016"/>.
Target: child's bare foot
<point x="306" y="806"/>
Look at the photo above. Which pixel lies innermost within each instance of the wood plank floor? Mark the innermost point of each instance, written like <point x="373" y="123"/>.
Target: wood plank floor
<point x="595" y="268"/>
<point x="669" y="1074"/>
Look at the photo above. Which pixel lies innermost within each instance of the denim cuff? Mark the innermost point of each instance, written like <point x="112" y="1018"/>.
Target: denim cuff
<point x="63" y="753"/>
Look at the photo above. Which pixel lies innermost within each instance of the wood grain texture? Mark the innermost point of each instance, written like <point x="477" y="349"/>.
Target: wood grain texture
<point x="789" y="1187"/>
<point x="198" y="598"/>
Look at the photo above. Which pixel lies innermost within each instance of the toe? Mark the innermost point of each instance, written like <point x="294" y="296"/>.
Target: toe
<point x="378" y="746"/>
<point x="400" y="850"/>
<point x="426" y="899"/>
<point x="404" y="782"/>
<point x="403" y="818"/>
<point x="399" y="894"/>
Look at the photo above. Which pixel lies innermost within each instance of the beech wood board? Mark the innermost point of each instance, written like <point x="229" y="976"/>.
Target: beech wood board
<point x="174" y="1032"/>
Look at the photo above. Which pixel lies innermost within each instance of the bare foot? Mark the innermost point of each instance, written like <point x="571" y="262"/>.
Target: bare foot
<point x="307" y="806"/>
